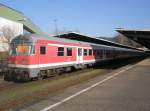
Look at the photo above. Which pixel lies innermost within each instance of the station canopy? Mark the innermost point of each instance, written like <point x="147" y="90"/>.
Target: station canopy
<point x="85" y="38"/>
<point x="140" y="36"/>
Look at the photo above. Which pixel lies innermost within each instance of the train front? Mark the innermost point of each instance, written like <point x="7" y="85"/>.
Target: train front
<point x="22" y="52"/>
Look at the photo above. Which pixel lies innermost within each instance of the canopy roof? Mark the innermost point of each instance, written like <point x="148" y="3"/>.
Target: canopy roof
<point x="140" y="36"/>
<point x="86" y="38"/>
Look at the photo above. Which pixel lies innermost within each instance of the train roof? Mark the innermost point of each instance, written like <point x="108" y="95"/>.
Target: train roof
<point x="31" y="38"/>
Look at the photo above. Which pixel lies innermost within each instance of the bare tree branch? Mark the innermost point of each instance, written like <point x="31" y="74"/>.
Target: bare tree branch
<point x="6" y="35"/>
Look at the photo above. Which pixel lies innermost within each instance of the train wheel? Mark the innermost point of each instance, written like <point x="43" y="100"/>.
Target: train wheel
<point x="40" y="77"/>
<point x="7" y="78"/>
<point x="59" y="71"/>
<point x="68" y="69"/>
<point x="27" y="78"/>
<point x="17" y="78"/>
<point x="85" y="66"/>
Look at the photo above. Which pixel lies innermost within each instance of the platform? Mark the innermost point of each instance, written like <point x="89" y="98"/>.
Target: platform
<point x="125" y="89"/>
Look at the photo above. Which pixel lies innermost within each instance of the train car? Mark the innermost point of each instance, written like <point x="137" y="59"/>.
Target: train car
<point x="37" y="56"/>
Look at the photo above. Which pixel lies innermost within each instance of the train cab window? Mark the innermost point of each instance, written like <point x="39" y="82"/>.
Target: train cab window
<point x="69" y="51"/>
<point x="42" y="50"/>
<point x="22" y="49"/>
<point x="32" y="51"/>
<point x="85" y="52"/>
<point x="60" y="51"/>
<point x="90" y="52"/>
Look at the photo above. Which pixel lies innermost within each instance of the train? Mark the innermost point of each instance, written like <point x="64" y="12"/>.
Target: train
<point x="38" y="56"/>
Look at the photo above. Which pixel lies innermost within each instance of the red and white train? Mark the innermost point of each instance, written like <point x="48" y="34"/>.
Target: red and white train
<point x="36" y="56"/>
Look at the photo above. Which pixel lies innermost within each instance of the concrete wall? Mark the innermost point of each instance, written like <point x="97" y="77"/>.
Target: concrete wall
<point x="8" y="29"/>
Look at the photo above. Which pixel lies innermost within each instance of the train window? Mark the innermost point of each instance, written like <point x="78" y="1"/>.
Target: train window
<point x="94" y="52"/>
<point x="32" y="49"/>
<point x="90" y="51"/>
<point x="85" y="52"/>
<point x="60" y="51"/>
<point x="79" y="51"/>
<point x="107" y="52"/>
<point x="22" y="49"/>
<point x="42" y="50"/>
<point x="98" y="52"/>
<point x="101" y="52"/>
<point x="69" y="51"/>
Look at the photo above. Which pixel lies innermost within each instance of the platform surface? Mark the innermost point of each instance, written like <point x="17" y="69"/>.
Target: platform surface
<point x="127" y="89"/>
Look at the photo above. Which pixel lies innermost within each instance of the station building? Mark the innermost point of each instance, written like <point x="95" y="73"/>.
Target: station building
<point x="13" y="23"/>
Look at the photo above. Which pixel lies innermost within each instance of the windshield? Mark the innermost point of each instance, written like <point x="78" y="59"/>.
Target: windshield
<point x="22" y="49"/>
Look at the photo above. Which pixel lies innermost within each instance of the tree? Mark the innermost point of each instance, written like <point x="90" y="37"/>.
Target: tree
<point x="6" y="35"/>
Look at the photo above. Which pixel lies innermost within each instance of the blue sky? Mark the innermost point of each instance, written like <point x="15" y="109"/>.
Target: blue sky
<point x="91" y="17"/>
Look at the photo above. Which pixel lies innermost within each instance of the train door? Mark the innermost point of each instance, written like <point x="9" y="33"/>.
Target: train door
<point x="42" y="55"/>
<point x="80" y="56"/>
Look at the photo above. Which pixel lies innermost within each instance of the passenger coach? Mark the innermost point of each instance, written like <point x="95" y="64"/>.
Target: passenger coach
<point x="37" y="56"/>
